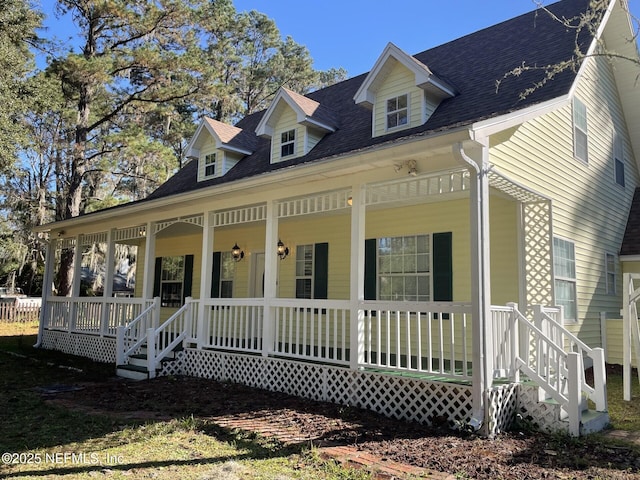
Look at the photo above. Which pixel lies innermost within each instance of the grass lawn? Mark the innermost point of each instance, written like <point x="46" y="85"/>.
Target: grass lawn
<point x="50" y="442"/>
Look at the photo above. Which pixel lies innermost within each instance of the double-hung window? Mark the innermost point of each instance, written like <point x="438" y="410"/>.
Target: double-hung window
<point x="404" y="272"/>
<point x="172" y="281"/>
<point x="580" y="137"/>
<point x="287" y="143"/>
<point x="312" y="270"/>
<point x="210" y="165"/>
<point x="397" y="111"/>
<point x="224" y="271"/>
<point x="610" y="273"/>
<point x="618" y="159"/>
<point x="564" y="263"/>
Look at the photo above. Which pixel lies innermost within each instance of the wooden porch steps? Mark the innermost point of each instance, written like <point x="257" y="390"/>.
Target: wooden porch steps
<point x="137" y="368"/>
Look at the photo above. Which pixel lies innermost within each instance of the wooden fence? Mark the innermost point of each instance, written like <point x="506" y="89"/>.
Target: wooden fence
<point x="12" y="311"/>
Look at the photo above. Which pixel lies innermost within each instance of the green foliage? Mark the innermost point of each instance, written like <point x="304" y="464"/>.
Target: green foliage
<point x="18" y="22"/>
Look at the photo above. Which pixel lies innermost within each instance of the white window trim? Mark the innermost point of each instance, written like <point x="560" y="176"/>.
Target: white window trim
<point x="614" y="273"/>
<point x="205" y="164"/>
<point x="386" y="113"/>
<point x="225" y="257"/>
<point x="163" y="281"/>
<point x="575" y="127"/>
<point x="618" y="141"/>
<point x="294" y="143"/>
<point x="427" y="274"/>
<point x="305" y="277"/>
<point x="573" y="280"/>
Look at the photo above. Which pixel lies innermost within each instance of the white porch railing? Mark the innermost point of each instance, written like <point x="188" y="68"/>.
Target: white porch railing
<point x="430" y="337"/>
<point x="231" y="324"/>
<point x="164" y="339"/>
<point x="316" y="330"/>
<point x="131" y="337"/>
<point x="92" y="315"/>
<point x="545" y="351"/>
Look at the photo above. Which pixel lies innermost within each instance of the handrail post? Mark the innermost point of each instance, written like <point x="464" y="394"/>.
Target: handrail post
<point x="120" y="345"/>
<point x="574" y="407"/>
<point x="515" y="343"/>
<point x="155" y="317"/>
<point x="599" y="379"/>
<point x="151" y="352"/>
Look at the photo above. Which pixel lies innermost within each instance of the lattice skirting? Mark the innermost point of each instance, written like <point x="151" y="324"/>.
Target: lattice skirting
<point x="502" y="404"/>
<point x="543" y="416"/>
<point x="398" y="397"/>
<point x="99" y="349"/>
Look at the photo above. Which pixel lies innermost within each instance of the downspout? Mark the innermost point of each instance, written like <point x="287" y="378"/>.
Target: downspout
<point x="480" y="284"/>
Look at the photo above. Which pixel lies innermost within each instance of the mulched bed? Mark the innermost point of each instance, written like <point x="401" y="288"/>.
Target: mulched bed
<point x="517" y="455"/>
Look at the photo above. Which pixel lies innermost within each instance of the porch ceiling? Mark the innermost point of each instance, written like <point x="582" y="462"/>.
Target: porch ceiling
<point x="513" y="189"/>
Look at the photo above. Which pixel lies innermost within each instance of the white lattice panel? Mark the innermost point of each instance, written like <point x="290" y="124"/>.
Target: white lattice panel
<point x="99" y="349"/>
<point x="538" y="258"/>
<point x="502" y="405"/>
<point x="543" y="416"/>
<point x="397" y="397"/>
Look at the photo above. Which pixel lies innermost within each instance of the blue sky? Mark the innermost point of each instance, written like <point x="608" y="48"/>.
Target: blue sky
<point x="352" y="33"/>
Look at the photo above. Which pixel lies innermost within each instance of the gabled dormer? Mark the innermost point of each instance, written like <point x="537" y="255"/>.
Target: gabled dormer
<point x="295" y="124"/>
<point x="401" y="92"/>
<point x="217" y="147"/>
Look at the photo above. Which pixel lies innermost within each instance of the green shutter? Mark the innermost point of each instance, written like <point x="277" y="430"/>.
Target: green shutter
<point x="370" y="259"/>
<point x="215" y="275"/>
<point x="157" y="276"/>
<point x="442" y="267"/>
<point x="321" y="270"/>
<point x="188" y="277"/>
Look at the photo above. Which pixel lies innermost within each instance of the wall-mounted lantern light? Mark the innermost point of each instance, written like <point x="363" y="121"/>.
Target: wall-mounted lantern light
<point x="236" y="253"/>
<point x="282" y="250"/>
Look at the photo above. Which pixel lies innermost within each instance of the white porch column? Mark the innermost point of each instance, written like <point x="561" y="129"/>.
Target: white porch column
<point x="270" y="276"/>
<point x="477" y="162"/>
<point x="149" y="261"/>
<point x="205" y="271"/>
<point x="358" y="211"/>
<point x="75" y="286"/>
<point x="47" y="282"/>
<point x="107" y="291"/>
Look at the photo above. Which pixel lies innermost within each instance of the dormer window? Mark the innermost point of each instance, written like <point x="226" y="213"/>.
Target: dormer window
<point x="287" y="143"/>
<point x="397" y="112"/>
<point x="210" y="165"/>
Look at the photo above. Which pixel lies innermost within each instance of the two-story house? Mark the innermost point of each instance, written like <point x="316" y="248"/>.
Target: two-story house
<point x="415" y="240"/>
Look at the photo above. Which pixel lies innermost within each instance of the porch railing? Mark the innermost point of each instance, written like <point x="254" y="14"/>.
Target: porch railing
<point x="231" y="324"/>
<point x="316" y="330"/>
<point x="168" y="336"/>
<point x="546" y="352"/>
<point x="432" y="337"/>
<point x="92" y="315"/>
<point x="131" y="337"/>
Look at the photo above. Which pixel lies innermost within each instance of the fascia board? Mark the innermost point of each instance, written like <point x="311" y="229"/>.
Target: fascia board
<point x="497" y="124"/>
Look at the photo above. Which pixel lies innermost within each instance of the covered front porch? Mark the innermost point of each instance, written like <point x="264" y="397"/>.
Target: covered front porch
<point x="397" y="295"/>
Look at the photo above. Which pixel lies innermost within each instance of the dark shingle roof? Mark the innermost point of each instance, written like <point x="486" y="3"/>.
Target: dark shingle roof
<point x="631" y="239"/>
<point x="472" y="64"/>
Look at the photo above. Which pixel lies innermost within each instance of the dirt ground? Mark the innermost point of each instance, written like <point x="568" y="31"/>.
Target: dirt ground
<point x="518" y="455"/>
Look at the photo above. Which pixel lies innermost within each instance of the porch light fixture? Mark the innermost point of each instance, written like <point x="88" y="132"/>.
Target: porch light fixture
<point x="236" y="253"/>
<point x="412" y="167"/>
<point x="282" y="250"/>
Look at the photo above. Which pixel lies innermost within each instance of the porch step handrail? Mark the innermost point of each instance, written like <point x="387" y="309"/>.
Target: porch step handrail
<point x="558" y="372"/>
<point x="130" y="337"/>
<point x="560" y="335"/>
<point x="164" y="339"/>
